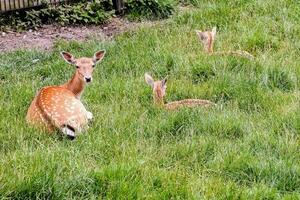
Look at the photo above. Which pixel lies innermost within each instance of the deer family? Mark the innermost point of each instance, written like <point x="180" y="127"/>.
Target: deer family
<point x="59" y="107"/>
<point x="159" y="92"/>
<point x="208" y="39"/>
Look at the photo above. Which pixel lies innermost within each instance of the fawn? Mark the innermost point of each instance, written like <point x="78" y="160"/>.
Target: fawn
<point x="208" y="39"/>
<point x="59" y="107"/>
<point x="159" y="92"/>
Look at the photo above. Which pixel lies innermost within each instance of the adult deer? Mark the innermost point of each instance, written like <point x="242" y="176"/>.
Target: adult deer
<point x="159" y="91"/>
<point x="59" y="107"/>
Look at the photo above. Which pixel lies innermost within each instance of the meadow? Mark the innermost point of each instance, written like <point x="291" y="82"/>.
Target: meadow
<point x="246" y="147"/>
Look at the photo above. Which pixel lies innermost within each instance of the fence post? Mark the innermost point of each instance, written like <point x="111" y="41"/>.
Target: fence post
<point x="118" y="6"/>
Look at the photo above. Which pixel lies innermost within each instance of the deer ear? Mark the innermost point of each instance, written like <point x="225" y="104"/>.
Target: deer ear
<point x="164" y="81"/>
<point x="149" y="80"/>
<point x="98" y="56"/>
<point x="198" y="32"/>
<point x="69" y="58"/>
<point x="202" y="35"/>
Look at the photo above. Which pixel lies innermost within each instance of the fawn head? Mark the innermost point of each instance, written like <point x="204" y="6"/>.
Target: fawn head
<point x="207" y="38"/>
<point x="84" y="66"/>
<point x="158" y="88"/>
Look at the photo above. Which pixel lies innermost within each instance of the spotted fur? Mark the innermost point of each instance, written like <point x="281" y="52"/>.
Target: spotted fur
<point x="159" y="92"/>
<point x="59" y="107"/>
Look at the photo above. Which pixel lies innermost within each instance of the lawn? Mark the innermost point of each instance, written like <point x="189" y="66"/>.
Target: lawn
<point x="246" y="147"/>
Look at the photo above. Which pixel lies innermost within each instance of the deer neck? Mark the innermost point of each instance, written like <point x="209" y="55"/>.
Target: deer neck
<point x="158" y="99"/>
<point x="75" y="85"/>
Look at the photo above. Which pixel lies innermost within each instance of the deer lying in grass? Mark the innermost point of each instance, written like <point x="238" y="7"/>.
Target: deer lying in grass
<point x="59" y="107"/>
<point x="208" y="39"/>
<point x="159" y="92"/>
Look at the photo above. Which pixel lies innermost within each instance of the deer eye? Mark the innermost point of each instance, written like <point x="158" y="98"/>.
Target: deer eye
<point x="93" y="66"/>
<point x="77" y="66"/>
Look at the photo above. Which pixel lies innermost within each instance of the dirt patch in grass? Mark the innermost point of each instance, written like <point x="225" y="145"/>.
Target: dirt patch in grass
<point x="44" y="37"/>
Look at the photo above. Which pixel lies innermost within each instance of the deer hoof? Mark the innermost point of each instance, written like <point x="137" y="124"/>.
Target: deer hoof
<point x="69" y="132"/>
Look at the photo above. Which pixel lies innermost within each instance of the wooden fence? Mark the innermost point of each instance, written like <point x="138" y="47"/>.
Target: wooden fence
<point x="11" y="5"/>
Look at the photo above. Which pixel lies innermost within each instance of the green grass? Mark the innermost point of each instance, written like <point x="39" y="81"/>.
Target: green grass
<point x="247" y="147"/>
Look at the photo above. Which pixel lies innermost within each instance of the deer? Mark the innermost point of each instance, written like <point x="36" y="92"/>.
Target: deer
<point x="59" y="107"/>
<point x="159" y="92"/>
<point x="208" y="38"/>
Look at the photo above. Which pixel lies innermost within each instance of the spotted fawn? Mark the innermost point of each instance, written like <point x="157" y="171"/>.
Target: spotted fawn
<point x="159" y="92"/>
<point x="208" y="38"/>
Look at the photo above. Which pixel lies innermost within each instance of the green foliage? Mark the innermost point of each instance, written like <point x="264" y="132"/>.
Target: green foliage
<point x="246" y="147"/>
<point x="94" y="12"/>
<point x="79" y="13"/>
<point x="190" y="2"/>
<point x="149" y="9"/>
<point x="280" y="79"/>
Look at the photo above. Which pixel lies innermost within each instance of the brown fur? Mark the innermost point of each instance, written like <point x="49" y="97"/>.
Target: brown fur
<point x="188" y="103"/>
<point x="57" y="106"/>
<point x="159" y="92"/>
<point x="208" y="38"/>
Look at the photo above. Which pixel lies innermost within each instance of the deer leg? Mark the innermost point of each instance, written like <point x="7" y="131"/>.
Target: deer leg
<point x="69" y="132"/>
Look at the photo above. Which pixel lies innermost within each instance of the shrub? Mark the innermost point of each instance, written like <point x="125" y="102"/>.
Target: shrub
<point x="94" y="12"/>
<point x="149" y="9"/>
<point x="80" y="13"/>
<point x="190" y="2"/>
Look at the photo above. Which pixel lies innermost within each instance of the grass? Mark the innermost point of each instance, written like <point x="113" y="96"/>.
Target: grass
<point x="247" y="147"/>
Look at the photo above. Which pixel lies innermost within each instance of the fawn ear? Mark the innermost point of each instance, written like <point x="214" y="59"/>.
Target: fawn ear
<point x="98" y="56"/>
<point x="69" y="58"/>
<point x="164" y="81"/>
<point x="198" y="32"/>
<point x="201" y="35"/>
<point x="214" y="31"/>
<point x="149" y="80"/>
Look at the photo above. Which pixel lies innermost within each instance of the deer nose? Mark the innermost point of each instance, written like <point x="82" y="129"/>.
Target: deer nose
<point x="88" y="79"/>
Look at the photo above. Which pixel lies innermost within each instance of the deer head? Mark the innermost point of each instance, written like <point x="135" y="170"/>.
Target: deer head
<point x="158" y="88"/>
<point x="84" y="66"/>
<point x="207" y="38"/>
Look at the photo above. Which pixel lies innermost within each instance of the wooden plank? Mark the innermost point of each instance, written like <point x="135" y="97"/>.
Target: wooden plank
<point x="118" y="6"/>
<point x="10" y="5"/>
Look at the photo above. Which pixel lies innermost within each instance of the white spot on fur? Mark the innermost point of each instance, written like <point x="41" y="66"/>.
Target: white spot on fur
<point x="89" y="115"/>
